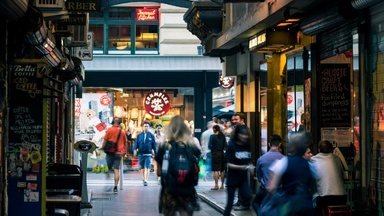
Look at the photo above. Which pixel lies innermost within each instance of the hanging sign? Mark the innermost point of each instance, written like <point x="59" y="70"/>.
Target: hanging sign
<point x="157" y="103"/>
<point x="83" y="5"/>
<point x="146" y="14"/>
<point x="226" y="82"/>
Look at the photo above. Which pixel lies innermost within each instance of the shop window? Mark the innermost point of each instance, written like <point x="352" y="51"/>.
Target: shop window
<point x="122" y="30"/>
<point x="295" y="92"/>
<point x="96" y="16"/>
<point x="146" y="37"/>
<point x="263" y="108"/>
<point x="98" y="36"/>
<point x="120" y="13"/>
<point x="119" y="37"/>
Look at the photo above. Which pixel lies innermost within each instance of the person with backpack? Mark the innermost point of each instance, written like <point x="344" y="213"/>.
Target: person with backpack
<point x="238" y="157"/>
<point x="178" y="181"/>
<point x="115" y="134"/>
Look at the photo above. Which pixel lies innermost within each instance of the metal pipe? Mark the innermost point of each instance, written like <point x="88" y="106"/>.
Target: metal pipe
<point x="361" y="4"/>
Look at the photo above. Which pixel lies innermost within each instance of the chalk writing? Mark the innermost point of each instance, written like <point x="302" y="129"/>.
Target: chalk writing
<point x="335" y="95"/>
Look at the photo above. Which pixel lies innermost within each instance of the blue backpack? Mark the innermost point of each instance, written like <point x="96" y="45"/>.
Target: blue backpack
<point x="183" y="170"/>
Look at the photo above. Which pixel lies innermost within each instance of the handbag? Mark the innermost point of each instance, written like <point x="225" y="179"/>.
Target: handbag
<point x="111" y="147"/>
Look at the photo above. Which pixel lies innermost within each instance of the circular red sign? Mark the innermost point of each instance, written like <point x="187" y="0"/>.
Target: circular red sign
<point x="105" y="100"/>
<point x="289" y="99"/>
<point x="157" y="103"/>
<point x="226" y="82"/>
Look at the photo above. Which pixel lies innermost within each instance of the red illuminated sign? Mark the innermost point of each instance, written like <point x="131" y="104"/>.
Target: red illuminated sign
<point x="157" y="103"/>
<point x="105" y="100"/>
<point x="146" y="14"/>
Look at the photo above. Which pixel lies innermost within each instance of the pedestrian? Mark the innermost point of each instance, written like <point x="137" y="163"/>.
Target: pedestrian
<point x="292" y="175"/>
<point x="308" y="153"/>
<point x="264" y="175"/>
<point x="328" y="170"/>
<point x="227" y="130"/>
<point x="238" y="158"/>
<point x="236" y="120"/>
<point x="217" y="145"/>
<point x="145" y="147"/>
<point x="159" y="139"/>
<point x="115" y="134"/>
<point x="204" y="140"/>
<point x="179" y="136"/>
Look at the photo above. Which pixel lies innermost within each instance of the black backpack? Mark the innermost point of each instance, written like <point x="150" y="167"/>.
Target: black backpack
<point x="183" y="170"/>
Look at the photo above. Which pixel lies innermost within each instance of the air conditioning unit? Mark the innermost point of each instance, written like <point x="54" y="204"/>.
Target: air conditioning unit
<point x="50" y="4"/>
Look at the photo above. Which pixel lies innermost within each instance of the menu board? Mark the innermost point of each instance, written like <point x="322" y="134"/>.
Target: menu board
<point x="335" y="95"/>
<point x="25" y="139"/>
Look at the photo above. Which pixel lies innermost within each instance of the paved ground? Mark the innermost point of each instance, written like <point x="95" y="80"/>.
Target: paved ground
<point x="135" y="199"/>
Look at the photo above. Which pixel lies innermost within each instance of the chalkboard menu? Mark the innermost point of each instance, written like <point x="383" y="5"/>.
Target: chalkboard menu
<point x="335" y="95"/>
<point x="25" y="142"/>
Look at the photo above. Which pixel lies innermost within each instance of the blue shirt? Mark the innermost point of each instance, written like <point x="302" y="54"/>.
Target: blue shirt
<point x="145" y="146"/>
<point x="264" y="174"/>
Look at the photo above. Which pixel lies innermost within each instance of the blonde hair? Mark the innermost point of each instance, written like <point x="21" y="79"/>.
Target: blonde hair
<point x="178" y="131"/>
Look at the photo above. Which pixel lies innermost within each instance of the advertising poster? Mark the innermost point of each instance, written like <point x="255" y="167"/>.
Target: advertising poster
<point x="94" y="114"/>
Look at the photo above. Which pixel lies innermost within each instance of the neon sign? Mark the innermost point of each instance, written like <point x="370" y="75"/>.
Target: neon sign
<point x="146" y="14"/>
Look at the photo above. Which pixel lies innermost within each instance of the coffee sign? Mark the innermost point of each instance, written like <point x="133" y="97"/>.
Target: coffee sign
<point x="157" y="103"/>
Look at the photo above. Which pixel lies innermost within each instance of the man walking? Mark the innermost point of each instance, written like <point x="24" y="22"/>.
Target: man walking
<point x="264" y="175"/>
<point x="236" y="120"/>
<point x="115" y="134"/>
<point x="146" y="146"/>
<point x="204" y="140"/>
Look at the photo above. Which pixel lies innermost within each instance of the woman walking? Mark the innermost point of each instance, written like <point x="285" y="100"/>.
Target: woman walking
<point x="217" y="144"/>
<point x="179" y="136"/>
<point x="159" y="139"/>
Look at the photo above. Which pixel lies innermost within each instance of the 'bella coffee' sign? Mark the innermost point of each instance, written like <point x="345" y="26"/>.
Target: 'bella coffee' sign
<point x="157" y="103"/>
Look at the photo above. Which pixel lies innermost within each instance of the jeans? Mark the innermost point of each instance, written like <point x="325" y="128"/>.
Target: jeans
<point x="245" y="194"/>
<point x="260" y="195"/>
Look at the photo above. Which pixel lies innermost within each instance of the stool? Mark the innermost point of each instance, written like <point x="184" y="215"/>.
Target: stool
<point x="339" y="210"/>
<point x="60" y="212"/>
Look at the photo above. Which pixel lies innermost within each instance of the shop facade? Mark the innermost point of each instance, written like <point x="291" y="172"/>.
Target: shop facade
<point x="45" y="60"/>
<point x="311" y="66"/>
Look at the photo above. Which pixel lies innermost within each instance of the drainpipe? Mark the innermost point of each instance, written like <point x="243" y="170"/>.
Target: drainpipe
<point x="361" y="4"/>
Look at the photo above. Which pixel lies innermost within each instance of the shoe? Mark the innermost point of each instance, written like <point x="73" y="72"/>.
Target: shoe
<point x="241" y="207"/>
<point x="215" y="188"/>
<point x="145" y="183"/>
<point x="237" y="204"/>
<point x="115" y="190"/>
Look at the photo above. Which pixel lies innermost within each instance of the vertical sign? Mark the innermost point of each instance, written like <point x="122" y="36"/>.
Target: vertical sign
<point x="335" y="95"/>
<point x="25" y="140"/>
<point x="85" y="53"/>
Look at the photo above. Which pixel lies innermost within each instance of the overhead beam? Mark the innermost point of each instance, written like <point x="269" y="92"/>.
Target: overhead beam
<point x="178" y="3"/>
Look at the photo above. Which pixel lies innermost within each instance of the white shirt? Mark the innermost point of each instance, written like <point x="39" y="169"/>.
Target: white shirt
<point x="328" y="172"/>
